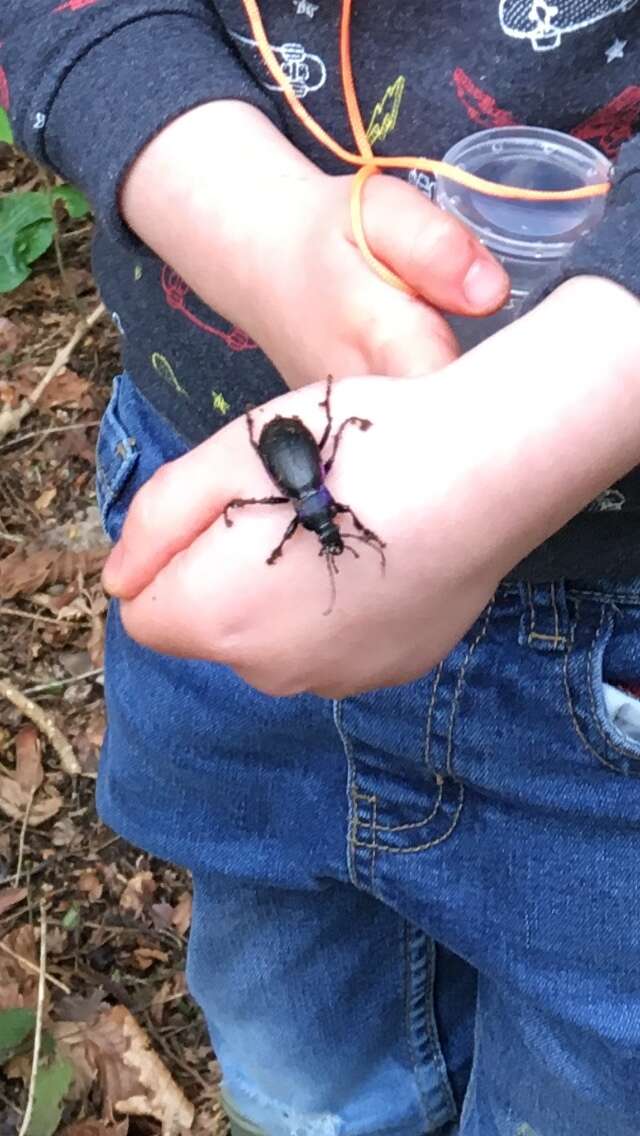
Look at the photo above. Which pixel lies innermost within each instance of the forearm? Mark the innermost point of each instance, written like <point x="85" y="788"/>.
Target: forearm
<point x="555" y="401"/>
<point x="211" y="193"/>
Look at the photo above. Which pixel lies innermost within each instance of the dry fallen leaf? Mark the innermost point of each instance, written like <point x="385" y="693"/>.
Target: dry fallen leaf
<point x="9" y="897"/>
<point x="30" y="568"/>
<point x="90" y="885"/>
<point x="45" y="499"/>
<point x="78" y="1008"/>
<point x="67" y="389"/>
<point x="9" y="336"/>
<point x="138" y="893"/>
<point x="96" y="1128"/>
<point x="170" y="991"/>
<point x="133" y="1079"/>
<point x="29" y="771"/>
<point x="182" y="914"/>
<point x="18" y="985"/>
<point x="144" y="957"/>
<point x="14" y="801"/>
<point x="95" y="641"/>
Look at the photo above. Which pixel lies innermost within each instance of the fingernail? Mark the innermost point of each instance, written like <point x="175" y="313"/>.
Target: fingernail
<point x="113" y="566"/>
<point x="485" y="284"/>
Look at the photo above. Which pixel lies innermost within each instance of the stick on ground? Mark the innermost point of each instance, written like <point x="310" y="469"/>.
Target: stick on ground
<point x="37" y="1040"/>
<point x="11" y="419"/>
<point x="45" y="724"/>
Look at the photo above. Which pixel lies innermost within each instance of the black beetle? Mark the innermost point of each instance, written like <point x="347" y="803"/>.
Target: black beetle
<point x="293" y="459"/>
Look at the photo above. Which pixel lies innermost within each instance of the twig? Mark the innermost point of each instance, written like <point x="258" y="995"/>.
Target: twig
<point x="12" y="539"/>
<point x="23" y="833"/>
<point x="41" y="719"/>
<point x="37" y="1039"/>
<point x="50" y="187"/>
<point x="48" y="430"/>
<point x="31" y="966"/>
<point x="10" y="419"/>
<point x="55" y="683"/>
<point x="34" y="615"/>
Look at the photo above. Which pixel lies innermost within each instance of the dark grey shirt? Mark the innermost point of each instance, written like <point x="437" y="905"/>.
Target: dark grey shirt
<point x="89" y="82"/>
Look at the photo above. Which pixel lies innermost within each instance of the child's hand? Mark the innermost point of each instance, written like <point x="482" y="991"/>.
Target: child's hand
<point x="265" y="238"/>
<point x="461" y="475"/>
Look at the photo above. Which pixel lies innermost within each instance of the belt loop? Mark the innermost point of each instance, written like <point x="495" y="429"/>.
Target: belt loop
<point x="545" y="624"/>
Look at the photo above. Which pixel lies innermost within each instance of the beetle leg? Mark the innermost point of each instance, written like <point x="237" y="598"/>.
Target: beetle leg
<point x="326" y="402"/>
<point x="368" y="534"/>
<point x="362" y="423"/>
<point x="373" y="540"/>
<point x="277" y="552"/>
<point x="239" y="502"/>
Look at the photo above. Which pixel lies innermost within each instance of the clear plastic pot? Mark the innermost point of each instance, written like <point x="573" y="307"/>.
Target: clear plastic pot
<point x="527" y="236"/>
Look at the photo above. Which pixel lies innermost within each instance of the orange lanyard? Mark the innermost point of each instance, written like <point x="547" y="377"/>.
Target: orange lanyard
<point x="369" y="163"/>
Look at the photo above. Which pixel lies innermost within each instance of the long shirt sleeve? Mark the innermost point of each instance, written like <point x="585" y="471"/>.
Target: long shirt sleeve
<point x="89" y="82"/>
<point x="613" y="248"/>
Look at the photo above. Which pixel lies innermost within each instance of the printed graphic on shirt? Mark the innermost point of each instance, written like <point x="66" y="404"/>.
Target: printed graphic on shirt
<point x="74" y="5"/>
<point x="163" y="368"/>
<point x="385" y="113"/>
<point x="177" y="294"/>
<point x="544" y="24"/>
<point x="219" y="402"/>
<point x="613" y="124"/>
<point x="423" y="181"/>
<point x="616" y="50"/>
<point x="611" y="501"/>
<point x="4" y="89"/>
<point x="306" y="72"/>
<point x="305" y="8"/>
<point x="607" y="128"/>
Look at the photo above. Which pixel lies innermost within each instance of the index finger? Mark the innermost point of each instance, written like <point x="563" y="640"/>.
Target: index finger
<point x="181" y="500"/>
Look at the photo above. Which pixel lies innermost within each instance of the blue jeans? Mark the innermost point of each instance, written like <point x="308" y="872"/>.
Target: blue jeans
<point x="417" y="909"/>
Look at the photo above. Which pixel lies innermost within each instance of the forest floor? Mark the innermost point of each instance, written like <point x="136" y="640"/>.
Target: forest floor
<point x="123" y="1050"/>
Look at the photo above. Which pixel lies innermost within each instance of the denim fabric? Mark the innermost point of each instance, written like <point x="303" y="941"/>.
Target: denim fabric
<point x="416" y="909"/>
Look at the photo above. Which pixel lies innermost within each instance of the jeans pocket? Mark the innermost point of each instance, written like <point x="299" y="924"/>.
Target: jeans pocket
<point x="606" y="718"/>
<point x="117" y="455"/>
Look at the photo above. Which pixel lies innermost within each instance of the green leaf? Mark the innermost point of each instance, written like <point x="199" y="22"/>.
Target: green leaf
<point x="52" y="1085"/>
<point x="71" y="918"/>
<point x="26" y="231"/>
<point x="73" y="200"/>
<point x="34" y="240"/>
<point x="15" y="1027"/>
<point x="6" y="133"/>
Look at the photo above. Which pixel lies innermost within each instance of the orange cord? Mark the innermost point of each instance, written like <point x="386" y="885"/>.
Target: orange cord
<point x="370" y="163"/>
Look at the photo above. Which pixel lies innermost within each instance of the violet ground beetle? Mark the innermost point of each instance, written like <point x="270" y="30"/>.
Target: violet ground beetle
<point x="293" y="459"/>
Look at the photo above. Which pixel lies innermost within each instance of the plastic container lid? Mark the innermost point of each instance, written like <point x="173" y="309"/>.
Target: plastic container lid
<point x="531" y="158"/>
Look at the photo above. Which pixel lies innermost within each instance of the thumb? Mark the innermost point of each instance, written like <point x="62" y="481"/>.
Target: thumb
<point x="430" y="250"/>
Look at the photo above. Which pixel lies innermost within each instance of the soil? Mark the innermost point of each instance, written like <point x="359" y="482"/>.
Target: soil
<point x="116" y="921"/>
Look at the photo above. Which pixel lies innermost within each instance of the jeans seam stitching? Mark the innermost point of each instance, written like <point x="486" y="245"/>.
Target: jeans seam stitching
<point x="351" y="792"/>
<point x="460" y="683"/>
<point x="429" y="722"/>
<point x="380" y="847"/>
<point x="417" y="823"/>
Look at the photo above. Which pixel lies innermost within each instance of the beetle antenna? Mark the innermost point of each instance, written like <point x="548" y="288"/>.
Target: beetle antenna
<point x="332" y="569"/>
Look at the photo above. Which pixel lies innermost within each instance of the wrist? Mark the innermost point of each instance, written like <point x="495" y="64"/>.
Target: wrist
<point x="220" y="194"/>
